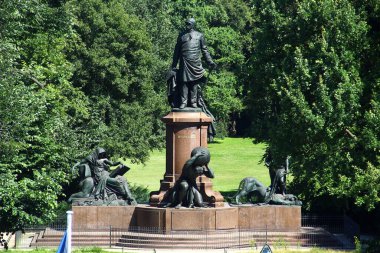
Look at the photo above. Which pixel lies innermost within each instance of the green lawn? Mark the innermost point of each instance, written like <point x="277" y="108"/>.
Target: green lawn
<point x="232" y="159"/>
<point x="99" y="250"/>
<point x="315" y="250"/>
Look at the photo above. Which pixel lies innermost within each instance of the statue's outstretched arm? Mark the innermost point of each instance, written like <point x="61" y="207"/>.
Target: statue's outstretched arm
<point x="111" y="163"/>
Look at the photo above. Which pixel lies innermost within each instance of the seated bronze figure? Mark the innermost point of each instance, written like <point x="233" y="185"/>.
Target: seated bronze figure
<point x="185" y="191"/>
<point x="99" y="185"/>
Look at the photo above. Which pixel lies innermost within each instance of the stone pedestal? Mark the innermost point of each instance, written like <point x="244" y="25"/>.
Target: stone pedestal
<point x="185" y="130"/>
<point x="98" y="217"/>
<point x="256" y="218"/>
<point x="185" y="219"/>
<point x="271" y="217"/>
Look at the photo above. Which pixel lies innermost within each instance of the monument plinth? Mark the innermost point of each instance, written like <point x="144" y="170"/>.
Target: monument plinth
<point x="185" y="130"/>
<point x="260" y="218"/>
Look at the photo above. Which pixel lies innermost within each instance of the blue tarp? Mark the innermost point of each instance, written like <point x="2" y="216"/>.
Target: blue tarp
<point x="62" y="248"/>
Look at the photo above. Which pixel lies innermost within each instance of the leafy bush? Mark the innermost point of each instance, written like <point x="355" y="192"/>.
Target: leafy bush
<point x="140" y="193"/>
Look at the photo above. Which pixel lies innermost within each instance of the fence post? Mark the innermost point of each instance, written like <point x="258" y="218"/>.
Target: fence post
<point x="172" y="236"/>
<point x="17" y="238"/>
<point x="206" y="240"/>
<point x="139" y="240"/>
<point x="69" y="230"/>
<point x="110" y="236"/>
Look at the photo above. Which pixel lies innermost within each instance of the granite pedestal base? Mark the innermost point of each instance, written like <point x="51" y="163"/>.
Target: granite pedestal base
<point x="98" y="217"/>
<point x="280" y="218"/>
<point x="185" y="130"/>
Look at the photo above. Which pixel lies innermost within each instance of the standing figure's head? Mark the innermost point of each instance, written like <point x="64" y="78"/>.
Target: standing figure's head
<point x="190" y="23"/>
<point x="101" y="153"/>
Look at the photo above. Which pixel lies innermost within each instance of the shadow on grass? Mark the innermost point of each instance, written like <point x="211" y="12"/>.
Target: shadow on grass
<point x="140" y="193"/>
<point x="216" y="142"/>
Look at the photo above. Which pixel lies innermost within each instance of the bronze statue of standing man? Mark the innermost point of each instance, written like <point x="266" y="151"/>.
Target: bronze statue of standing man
<point x="190" y="45"/>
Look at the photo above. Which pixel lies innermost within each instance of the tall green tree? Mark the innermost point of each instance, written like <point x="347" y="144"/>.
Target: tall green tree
<point x="113" y="57"/>
<point x="39" y="111"/>
<point x="306" y="99"/>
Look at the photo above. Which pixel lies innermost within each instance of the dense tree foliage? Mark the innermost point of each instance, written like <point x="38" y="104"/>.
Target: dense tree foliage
<point x="76" y="74"/>
<point x="38" y="133"/>
<point x="312" y="98"/>
<point x="80" y="74"/>
<point x="113" y="56"/>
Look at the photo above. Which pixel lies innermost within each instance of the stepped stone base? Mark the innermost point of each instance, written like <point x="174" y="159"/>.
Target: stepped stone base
<point x="306" y="237"/>
<point x="92" y="217"/>
<point x="282" y="218"/>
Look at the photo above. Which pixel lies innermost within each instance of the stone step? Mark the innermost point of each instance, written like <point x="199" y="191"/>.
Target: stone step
<point x="307" y="237"/>
<point x="190" y="239"/>
<point x="227" y="242"/>
<point x="74" y="243"/>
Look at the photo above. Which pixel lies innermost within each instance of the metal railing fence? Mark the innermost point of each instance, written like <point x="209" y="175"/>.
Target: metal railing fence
<point x="316" y="231"/>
